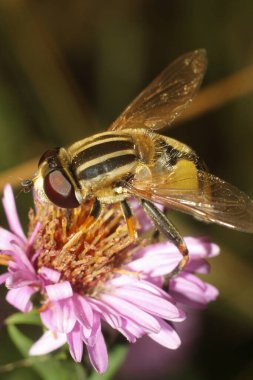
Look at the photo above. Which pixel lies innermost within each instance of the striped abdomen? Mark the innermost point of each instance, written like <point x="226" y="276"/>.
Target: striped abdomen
<point x="106" y="156"/>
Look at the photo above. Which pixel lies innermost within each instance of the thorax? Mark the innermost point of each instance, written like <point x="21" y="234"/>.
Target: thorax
<point x="102" y="159"/>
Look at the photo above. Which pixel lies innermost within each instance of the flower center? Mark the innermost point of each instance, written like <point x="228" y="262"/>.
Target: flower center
<point x="84" y="257"/>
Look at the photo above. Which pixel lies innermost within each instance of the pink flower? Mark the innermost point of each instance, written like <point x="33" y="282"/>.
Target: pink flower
<point x="185" y="288"/>
<point x="85" y="277"/>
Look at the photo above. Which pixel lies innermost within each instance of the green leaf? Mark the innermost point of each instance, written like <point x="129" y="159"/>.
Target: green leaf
<point x="21" y="341"/>
<point x="47" y="366"/>
<point x="116" y="358"/>
<point x="74" y="371"/>
<point x="31" y="318"/>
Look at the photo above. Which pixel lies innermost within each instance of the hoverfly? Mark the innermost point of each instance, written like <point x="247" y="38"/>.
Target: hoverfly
<point x="132" y="160"/>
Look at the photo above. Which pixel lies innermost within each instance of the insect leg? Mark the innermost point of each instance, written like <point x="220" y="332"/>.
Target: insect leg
<point x="127" y="212"/>
<point x="164" y="225"/>
<point x="94" y="214"/>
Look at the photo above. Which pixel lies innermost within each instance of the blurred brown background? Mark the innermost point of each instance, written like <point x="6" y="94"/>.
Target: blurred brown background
<point x="68" y="68"/>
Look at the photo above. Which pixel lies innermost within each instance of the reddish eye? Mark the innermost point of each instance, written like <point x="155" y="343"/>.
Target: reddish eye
<point x="60" y="190"/>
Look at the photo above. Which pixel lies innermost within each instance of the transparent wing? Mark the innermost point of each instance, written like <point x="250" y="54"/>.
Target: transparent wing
<point x="210" y="199"/>
<point x="167" y="96"/>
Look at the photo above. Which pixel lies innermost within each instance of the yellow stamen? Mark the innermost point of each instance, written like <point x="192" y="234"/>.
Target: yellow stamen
<point x="5" y="259"/>
<point x="86" y="251"/>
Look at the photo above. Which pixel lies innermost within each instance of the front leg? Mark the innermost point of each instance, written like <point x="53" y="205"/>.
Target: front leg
<point x="94" y="214"/>
<point x="163" y="224"/>
<point x="127" y="212"/>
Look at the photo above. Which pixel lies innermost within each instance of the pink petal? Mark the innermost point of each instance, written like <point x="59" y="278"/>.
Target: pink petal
<point x="164" y="248"/>
<point x="60" y="316"/>
<point x="3" y="277"/>
<point x="192" y="291"/>
<point x="98" y="354"/>
<point x="6" y="237"/>
<point x="35" y="255"/>
<point x="128" y="335"/>
<point x="133" y="285"/>
<point x="21" y="258"/>
<point x="107" y="313"/>
<point x="11" y="213"/>
<point x="166" y="256"/>
<point x="49" y="274"/>
<point x="75" y="343"/>
<point x="167" y="336"/>
<point x="65" y="317"/>
<point x="83" y="310"/>
<point x="155" y="263"/>
<point x="59" y="291"/>
<point x="201" y="247"/>
<point x="21" y="278"/>
<point x="131" y="330"/>
<point x="156" y="259"/>
<point x="48" y="342"/>
<point x="20" y="298"/>
<point x="133" y="282"/>
<point x="150" y="303"/>
<point x="211" y="293"/>
<point x="198" y="266"/>
<point x="91" y="337"/>
<point x="131" y="312"/>
<point x="33" y="235"/>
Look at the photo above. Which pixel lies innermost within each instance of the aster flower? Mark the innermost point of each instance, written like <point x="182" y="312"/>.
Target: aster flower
<point x="86" y="277"/>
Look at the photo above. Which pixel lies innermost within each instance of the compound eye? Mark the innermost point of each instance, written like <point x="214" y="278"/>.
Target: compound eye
<point x="49" y="155"/>
<point x="60" y="190"/>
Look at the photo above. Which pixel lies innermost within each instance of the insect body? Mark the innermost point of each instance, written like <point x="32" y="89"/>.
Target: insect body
<point x="131" y="159"/>
<point x="103" y="165"/>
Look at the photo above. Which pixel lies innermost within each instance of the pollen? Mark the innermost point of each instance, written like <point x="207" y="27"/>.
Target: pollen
<point x="86" y="257"/>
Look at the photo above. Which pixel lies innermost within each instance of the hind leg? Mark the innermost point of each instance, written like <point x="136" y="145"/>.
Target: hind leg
<point x="165" y="226"/>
